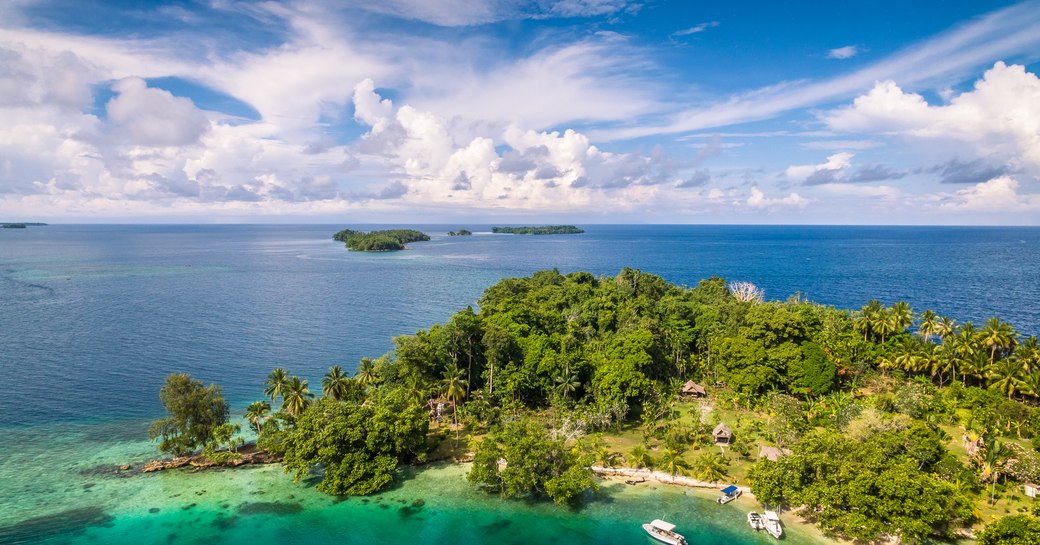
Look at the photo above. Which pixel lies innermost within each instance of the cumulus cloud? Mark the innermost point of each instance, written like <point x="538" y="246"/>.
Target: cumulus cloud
<point x="838" y="169"/>
<point x="154" y="117"/>
<point x="999" y="119"/>
<point x="999" y="195"/>
<point x="758" y="200"/>
<point x="846" y="52"/>
<point x="956" y="171"/>
<point x="835" y="163"/>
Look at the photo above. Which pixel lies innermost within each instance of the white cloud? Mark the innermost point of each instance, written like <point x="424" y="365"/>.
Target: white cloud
<point x="999" y="195"/>
<point x="998" y="119"/>
<point x="846" y="52"/>
<point x="154" y="117"/>
<point x="837" y="162"/>
<point x="453" y="13"/>
<point x="758" y="200"/>
<point x="696" y="29"/>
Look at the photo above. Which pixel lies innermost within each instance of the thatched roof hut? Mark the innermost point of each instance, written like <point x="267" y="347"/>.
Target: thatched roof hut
<point x="773" y="453"/>
<point x="693" y="389"/>
<point x="722" y="434"/>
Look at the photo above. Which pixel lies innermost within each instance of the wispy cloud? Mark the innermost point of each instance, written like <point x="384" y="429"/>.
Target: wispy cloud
<point x="696" y="29"/>
<point x="1006" y="32"/>
<point x="846" y="52"/>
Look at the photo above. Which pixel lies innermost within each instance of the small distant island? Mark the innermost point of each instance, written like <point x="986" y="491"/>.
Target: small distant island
<point x="543" y="230"/>
<point x="460" y="233"/>
<point x="379" y="241"/>
<point x="20" y="225"/>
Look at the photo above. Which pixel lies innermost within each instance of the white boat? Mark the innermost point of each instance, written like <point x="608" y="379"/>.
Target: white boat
<point x="772" y="521"/>
<point x="664" y="532"/>
<point x="729" y="494"/>
<point x="755" y="521"/>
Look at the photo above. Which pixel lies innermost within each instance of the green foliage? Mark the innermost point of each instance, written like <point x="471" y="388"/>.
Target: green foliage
<point x="358" y="446"/>
<point x="195" y="411"/>
<point x="460" y="233"/>
<point x="1012" y="530"/>
<point x="379" y="241"/>
<point x="813" y="374"/>
<point x="523" y="461"/>
<point x="866" y="488"/>
<point x="544" y="230"/>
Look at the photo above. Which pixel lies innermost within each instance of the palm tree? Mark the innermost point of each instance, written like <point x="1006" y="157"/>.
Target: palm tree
<point x="335" y="385"/>
<point x="672" y="461"/>
<point x="902" y="316"/>
<point x="908" y="354"/>
<point x="928" y="326"/>
<point x="710" y="467"/>
<point x="366" y="374"/>
<point x="997" y="335"/>
<point x="640" y="457"/>
<point x="1029" y="354"/>
<point x="256" y="412"/>
<point x="1031" y="384"/>
<point x="867" y="316"/>
<point x="992" y="464"/>
<point x="1006" y="376"/>
<point x="454" y="388"/>
<point x="945" y="327"/>
<point x="276" y="383"/>
<point x="567" y="382"/>
<point x="297" y="396"/>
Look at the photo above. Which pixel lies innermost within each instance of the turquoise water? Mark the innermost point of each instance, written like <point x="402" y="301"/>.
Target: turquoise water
<point x="93" y="317"/>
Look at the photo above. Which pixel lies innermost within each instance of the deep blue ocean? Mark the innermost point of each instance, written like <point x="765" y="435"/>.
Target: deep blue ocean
<point x="92" y="318"/>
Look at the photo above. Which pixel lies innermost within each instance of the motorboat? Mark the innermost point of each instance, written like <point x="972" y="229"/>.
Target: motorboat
<point x="729" y="494"/>
<point x="664" y="532"/>
<point x="755" y="521"/>
<point x="772" y="522"/>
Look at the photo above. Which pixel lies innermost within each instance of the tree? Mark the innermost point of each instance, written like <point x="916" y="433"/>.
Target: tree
<point x="454" y="388"/>
<point x="276" y="383"/>
<point x="673" y="462"/>
<point x="997" y="335"/>
<point x="640" y="457"/>
<point x="194" y="412"/>
<point x="296" y="396"/>
<point x="1012" y="530"/>
<point x="1006" y="377"/>
<point x="928" y="326"/>
<point x="710" y="467"/>
<point x="567" y="382"/>
<point x="256" y="412"/>
<point x="366" y="374"/>
<point x="335" y="384"/>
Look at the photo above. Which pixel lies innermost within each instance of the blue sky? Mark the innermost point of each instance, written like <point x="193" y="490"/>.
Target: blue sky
<point x="604" y="111"/>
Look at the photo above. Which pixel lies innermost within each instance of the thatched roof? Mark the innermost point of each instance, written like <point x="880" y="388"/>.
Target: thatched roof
<point x="722" y="431"/>
<point x="773" y="453"/>
<point x="692" y="388"/>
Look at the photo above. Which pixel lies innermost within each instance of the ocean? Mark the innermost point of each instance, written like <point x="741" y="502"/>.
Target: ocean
<point x="93" y="317"/>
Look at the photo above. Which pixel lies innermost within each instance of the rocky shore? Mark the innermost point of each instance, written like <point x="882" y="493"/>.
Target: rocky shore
<point x="248" y="454"/>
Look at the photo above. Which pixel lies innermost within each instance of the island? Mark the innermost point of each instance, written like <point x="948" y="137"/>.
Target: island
<point x="390" y="240"/>
<point x="460" y="233"/>
<point x="20" y="225"/>
<point x="543" y="230"/>
<point x="878" y="425"/>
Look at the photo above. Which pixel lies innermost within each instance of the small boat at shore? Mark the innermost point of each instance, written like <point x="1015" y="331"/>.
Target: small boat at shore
<point x="664" y="532"/>
<point x="729" y="494"/>
<point x="772" y="522"/>
<point x="755" y="521"/>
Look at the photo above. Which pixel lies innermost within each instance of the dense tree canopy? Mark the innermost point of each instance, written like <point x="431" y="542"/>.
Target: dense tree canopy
<point x="195" y="411"/>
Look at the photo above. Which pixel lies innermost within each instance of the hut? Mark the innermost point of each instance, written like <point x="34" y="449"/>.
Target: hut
<point x="440" y="408"/>
<point x="692" y="389"/>
<point x="773" y="453"/>
<point x="722" y="434"/>
<point x="1032" y="490"/>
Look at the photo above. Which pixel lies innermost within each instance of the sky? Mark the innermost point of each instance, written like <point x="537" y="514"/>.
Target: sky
<point x="520" y="111"/>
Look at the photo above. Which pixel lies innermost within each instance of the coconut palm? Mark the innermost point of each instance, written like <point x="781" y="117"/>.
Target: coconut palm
<point x="908" y="355"/>
<point x="567" y="382"/>
<point x="640" y="457"/>
<point x="276" y="383"/>
<point x="997" y="335"/>
<point x="945" y="327"/>
<point x="1029" y="354"/>
<point x="902" y="316"/>
<point x="1031" y="384"/>
<point x="928" y="327"/>
<point x="335" y="385"/>
<point x="256" y="412"/>
<point x="673" y="462"/>
<point x="366" y="374"/>
<point x="867" y="316"/>
<point x="297" y="396"/>
<point x="991" y="465"/>
<point x="454" y="387"/>
<point x="710" y="467"/>
<point x="1006" y="376"/>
